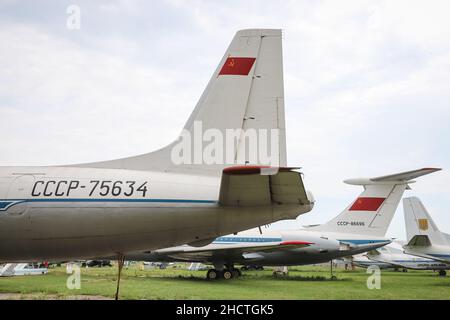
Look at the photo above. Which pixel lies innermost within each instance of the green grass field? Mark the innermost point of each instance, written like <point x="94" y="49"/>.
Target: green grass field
<point x="303" y="283"/>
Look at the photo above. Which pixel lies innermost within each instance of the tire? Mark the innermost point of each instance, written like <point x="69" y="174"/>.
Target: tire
<point x="227" y="275"/>
<point x="442" y="273"/>
<point x="212" y="274"/>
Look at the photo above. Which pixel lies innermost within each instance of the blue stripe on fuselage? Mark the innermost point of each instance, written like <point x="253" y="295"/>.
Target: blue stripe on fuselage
<point x="439" y="255"/>
<point x="415" y="261"/>
<point x="361" y="241"/>
<point x="231" y="240"/>
<point x="5" y="204"/>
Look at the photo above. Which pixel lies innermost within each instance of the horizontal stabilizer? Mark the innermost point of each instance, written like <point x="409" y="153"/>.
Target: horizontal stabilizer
<point x="253" y="186"/>
<point x="406" y="176"/>
<point x="419" y="241"/>
<point x="397" y="178"/>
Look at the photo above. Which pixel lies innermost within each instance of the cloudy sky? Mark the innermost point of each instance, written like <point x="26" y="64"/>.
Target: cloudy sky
<point x="367" y="85"/>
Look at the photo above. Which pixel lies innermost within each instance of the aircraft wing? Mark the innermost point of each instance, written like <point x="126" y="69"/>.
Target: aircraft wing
<point x="261" y="186"/>
<point x="230" y="251"/>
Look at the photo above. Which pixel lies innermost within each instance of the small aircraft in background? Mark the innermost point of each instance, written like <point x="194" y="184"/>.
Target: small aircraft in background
<point x="392" y="256"/>
<point x="361" y="260"/>
<point x="22" y="269"/>
<point x="424" y="237"/>
<point x="361" y="227"/>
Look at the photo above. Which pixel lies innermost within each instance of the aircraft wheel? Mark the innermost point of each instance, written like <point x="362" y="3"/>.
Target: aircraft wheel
<point x="442" y="273"/>
<point x="212" y="274"/>
<point x="405" y="270"/>
<point x="227" y="274"/>
<point x="236" y="273"/>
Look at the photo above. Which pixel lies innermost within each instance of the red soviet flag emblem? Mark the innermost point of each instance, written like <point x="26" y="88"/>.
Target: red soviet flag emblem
<point x="237" y="66"/>
<point x="367" y="204"/>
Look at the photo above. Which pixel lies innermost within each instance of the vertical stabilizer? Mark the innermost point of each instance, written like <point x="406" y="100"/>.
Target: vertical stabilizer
<point x="245" y="92"/>
<point x="419" y="222"/>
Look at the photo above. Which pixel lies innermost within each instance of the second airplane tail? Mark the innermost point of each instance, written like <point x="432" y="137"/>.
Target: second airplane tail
<point x="419" y="223"/>
<point x="372" y="212"/>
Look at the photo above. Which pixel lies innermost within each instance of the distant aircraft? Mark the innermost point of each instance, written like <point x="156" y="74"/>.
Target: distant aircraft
<point x="359" y="228"/>
<point x="392" y="256"/>
<point x="22" y="269"/>
<point x="150" y="201"/>
<point x="361" y="260"/>
<point x="424" y="238"/>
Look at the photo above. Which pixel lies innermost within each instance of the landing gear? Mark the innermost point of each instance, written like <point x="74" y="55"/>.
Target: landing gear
<point x="442" y="273"/>
<point x="405" y="270"/>
<point x="332" y="275"/>
<point x="213" y="274"/>
<point x="226" y="274"/>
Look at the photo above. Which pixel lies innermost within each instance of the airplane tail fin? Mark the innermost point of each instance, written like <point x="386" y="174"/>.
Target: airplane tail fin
<point x="372" y="212"/>
<point x="245" y="97"/>
<point x="420" y="225"/>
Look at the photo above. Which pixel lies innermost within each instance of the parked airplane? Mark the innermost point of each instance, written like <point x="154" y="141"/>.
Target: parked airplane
<point x="424" y="238"/>
<point x="359" y="228"/>
<point x="361" y="260"/>
<point x="151" y="201"/>
<point x="392" y="256"/>
<point x="22" y="269"/>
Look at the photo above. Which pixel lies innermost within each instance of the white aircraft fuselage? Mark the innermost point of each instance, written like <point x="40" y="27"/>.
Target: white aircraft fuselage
<point x="434" y="251"/>
<point x="392" y="256"/>
<point x="407" y="261"/>
<point x="63" y="213"/>
<point x="323" y="248"/>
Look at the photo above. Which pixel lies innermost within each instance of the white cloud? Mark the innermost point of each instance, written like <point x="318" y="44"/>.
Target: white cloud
<point x="79" y="99"/>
